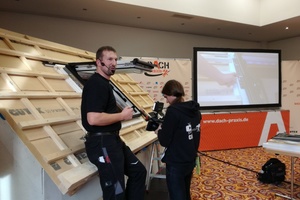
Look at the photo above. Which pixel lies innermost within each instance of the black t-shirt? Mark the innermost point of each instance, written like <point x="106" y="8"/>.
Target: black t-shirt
<point x="97" y="96"/>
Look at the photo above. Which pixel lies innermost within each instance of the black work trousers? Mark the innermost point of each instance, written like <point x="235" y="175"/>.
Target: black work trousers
<point x="114" y="160"/>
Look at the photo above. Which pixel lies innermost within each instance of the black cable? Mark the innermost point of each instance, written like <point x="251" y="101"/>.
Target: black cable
<point x="226" y="162"/>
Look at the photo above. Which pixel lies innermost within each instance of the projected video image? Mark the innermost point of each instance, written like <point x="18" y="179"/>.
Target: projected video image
<point x="232" y="78"/>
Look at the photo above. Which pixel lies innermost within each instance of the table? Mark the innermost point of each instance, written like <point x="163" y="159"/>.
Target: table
<point x="284" y="147"/>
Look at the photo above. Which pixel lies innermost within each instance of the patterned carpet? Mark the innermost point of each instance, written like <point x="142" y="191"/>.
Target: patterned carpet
<point x="231" y="175"/>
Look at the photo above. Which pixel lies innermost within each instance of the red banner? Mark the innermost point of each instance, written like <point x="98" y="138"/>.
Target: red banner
<point x="241" y="130"/>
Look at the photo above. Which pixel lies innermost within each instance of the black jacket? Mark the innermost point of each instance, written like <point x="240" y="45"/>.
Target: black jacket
<point x="180" y="132"/>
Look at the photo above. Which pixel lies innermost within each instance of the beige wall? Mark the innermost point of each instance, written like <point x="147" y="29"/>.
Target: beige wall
<point x="290" y="48"/>
<point x="130" y="41"/>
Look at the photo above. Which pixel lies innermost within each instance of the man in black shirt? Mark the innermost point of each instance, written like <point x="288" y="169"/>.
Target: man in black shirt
<point x="102" y="121"/>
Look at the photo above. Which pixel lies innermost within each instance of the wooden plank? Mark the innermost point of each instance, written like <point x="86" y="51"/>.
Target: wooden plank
<point x="46" y="44"/>
<point x="138" y="93"/>
<point x="132" y="128"/>
<point x="8" y="43"/>
<point x="38" y="95"/>
<point x="47" y="128"/>
<point x="8" y="82"/>
<point x="56" y="139"/>
<point x="27" y="83"/>
<point x="8" y="61"/>
<point x="9" y="52"/>
<point x="72" y="105"/>
<point x="49" y="158"/>
<point x="36" y="134"/>
<point x="43" y="122"/>
<point x="137" y="145"/>
<point x="29" y="73"/>
<point x="3" y="43"/>
<point x="59" y="85"/>
<point x="74" y="177"/>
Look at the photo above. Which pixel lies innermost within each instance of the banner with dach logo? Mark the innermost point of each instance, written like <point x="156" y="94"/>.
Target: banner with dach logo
<point x="291" y="92"/>
<point x="166" y="69"/>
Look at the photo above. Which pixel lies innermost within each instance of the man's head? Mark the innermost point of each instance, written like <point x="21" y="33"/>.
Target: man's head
<point x="106" y="61"/>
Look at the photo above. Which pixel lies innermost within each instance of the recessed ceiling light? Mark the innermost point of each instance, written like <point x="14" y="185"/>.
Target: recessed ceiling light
<point x="182" y="16"/>
<point x="286" y="28"/>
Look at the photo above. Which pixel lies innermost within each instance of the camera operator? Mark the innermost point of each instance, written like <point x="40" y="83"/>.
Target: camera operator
<point x="179" y="133"/>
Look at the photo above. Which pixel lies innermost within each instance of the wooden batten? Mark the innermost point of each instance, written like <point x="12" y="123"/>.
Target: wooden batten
<point x="43" y="107"/>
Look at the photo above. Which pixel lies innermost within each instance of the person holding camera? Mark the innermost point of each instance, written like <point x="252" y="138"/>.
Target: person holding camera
<point x="179" y="133"/>
<point x="102" y="121"/>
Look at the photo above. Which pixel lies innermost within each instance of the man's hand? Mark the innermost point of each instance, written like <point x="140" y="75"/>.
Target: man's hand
<point x="127" y="113"/>
<point x="227" y="79"/>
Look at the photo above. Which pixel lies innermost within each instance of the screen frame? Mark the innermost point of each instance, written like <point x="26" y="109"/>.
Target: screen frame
<point x="276" y="105"/>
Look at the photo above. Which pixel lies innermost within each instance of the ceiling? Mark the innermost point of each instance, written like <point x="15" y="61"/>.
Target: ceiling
<point x="140" y="17"/>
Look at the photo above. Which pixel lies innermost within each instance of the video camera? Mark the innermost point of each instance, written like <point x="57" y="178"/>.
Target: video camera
<point x="156" y="117"/>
